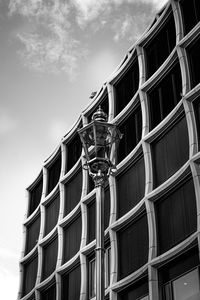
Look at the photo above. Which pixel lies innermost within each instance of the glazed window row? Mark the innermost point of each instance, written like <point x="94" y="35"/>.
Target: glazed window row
<point x="178" y="279"/>
<point x="169" y="152"/>
<point x="176" y="219"/>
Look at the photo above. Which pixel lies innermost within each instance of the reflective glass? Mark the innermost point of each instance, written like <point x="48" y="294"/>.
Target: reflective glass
<point x="187" y="287"/>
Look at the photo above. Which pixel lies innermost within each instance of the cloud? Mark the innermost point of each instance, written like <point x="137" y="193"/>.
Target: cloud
<point x="130" y="27"/>
<point x="156" y="3"/>
<point x="49" y="45"/>
<point x="89" y="10"/>
<point x="7" y="123"/>
<point x="48" y="41"/>
<point x="51" y="54"/>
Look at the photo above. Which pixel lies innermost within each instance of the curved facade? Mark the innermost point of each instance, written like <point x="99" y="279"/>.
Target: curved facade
<point x="152" y="201"/>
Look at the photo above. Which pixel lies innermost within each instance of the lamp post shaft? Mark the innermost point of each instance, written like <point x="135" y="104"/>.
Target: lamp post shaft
<point x="100" y="240"/>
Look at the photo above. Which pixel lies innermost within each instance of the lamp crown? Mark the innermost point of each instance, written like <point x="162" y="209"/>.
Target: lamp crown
<point x="100" y="115"/>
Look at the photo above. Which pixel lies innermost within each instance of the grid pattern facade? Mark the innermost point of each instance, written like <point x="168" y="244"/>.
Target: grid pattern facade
<point x="152" y="201"/>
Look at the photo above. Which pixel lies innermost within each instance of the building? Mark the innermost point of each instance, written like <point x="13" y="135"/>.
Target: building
<point x="152" y="202"/>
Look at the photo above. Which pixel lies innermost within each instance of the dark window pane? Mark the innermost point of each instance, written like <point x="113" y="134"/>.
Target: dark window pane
<point x="74" y="149"/>
<point x="30" y="274"/>
<point x="50" y="253"/>
<point x="33" y="230"/>
<point x="127" y="87"/>
<point x="176" y="216"/>
<point x="72" y="239"/>
<point x="170" y="152"/>
<point x="191" y="13"/>
<point x="92" y="278"/>
<point x="133" y="247"/>
<point x="197" y="116"/>
<point x="73" y="190"/>
<point x="194" y="61"/>
<point x="130" y="187"/>
<point x="160" y="46"/>
<point x="131" y="129"/>
<point x="35" y="196"/>
<point x="49" y="294"/>
<point x="135" y="291"/>
<point x="71" y="283"/>
<point x="54" y="173"/>
<point x="52" y="212"/>
<point x="92" y="215"/>
<point x="165" y="95"/>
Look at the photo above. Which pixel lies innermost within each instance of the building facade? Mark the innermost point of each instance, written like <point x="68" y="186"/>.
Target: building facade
<point x="152" y="201"/>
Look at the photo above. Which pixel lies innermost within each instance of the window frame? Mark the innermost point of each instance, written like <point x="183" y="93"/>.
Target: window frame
<point x="170" y="283"/>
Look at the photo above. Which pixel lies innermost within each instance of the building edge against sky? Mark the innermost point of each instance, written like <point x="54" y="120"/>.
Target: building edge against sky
<point x="152" y="201"/>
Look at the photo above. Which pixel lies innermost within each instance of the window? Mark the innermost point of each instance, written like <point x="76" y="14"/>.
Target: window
<point x="137" y="291"/>
<point x="180" y="278"/>
<point x="51" y="214"/>
<point x="35" y="196"/>
<point x="170" y="152"/>
<point x="176" y="216"/>
<point x="71" y="283"/>
<point x="131" y="129"/>
<point x="165" y="95"/>
<point x="72" y="238"/>
<point x="197" y="116"/>
<point x="130" y="186"/>
<point x="160" y="46"/>
<point x="92" y="272"/>
<point x="50" y="252"/>
<point x="107" y="266"/>
<point x="30" y="275"/>
<point x="33" y="230"/>
<point x="91" y="217"/>
<point x="49" y="294"/>
<point x="126" y="87"/>
<point x="194" y="62"/>
<point x="54" y="173"/>
<point x="187" y="286"/>
<point x="133" y="247"/>
<point x="191" y="13"/>
<point x="92" y="278"/>
<point x="74" y="149"/>
<point x="73" y="190"/>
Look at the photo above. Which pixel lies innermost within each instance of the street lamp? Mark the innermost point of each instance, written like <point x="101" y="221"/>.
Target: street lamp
<point x="99" y="139"/>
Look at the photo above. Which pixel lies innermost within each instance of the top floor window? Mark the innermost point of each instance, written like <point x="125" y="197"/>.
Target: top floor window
<point x="35" y="196"/>
<point x="54" y="173"/>
<point x="160" y="46"/>
<point x="190" y="13"/>
<point x="74" y="149"/>
<point x="193" y="51"/>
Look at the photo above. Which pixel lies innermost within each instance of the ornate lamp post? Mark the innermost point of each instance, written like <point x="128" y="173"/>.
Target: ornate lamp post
<point x="98" y="139"/>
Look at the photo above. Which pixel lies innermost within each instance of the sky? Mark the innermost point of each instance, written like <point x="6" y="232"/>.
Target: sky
<point x="53" y="55"/>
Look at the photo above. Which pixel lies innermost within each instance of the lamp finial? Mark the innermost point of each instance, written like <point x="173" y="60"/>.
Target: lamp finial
<point x="100" y="115"/>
